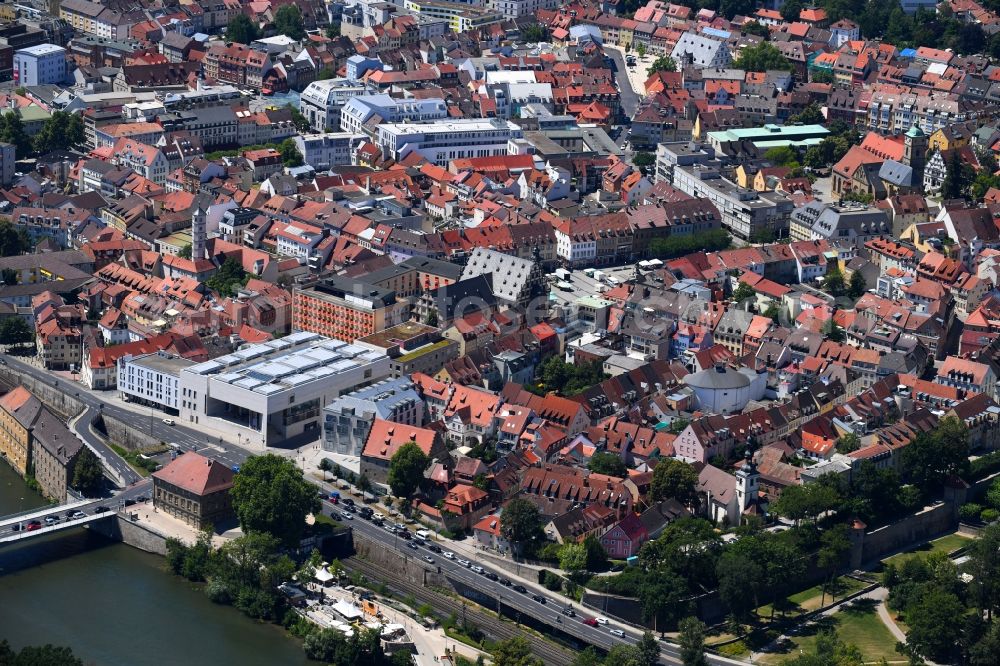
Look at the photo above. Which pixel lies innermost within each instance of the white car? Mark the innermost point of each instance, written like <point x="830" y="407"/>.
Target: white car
<point x="478" y="569"/>
<point x="450" y="555"/>
<point x="601" y="620"/>
<point x="617" y="632"/>
<point x="465" y="563"/>
<point x="168" y="421"/>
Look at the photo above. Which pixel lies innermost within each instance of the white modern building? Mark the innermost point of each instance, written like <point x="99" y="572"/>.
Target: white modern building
<point x="152" y="379"/>
<point x="359" y="110"/>
<point x="443" y="141"/>
<point x="321" y="102"/>
<point x="275" y="391"/>
<point x="39" y="65"/>
<point x="322" y="151"/>
<point x="512" y="9"/>
<point x="348" y="419"/>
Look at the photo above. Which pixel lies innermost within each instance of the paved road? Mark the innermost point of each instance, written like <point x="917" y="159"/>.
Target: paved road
<point x="629" y="98"/>
<point x="186" y="439"/>
<point x="535" y="602"/>
<point x="13" y="528"/>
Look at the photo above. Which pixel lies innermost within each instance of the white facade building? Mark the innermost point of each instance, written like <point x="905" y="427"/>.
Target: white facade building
<point x="349" y="418"/>
<point x="152" y="379"/>
<point x="443" y="141"/>
<point x="322" y="151"/>
<point x="359" y="110"/>
<point x="321" y="102"/>
<point x="39" y="65"/>
<point x="512" y="9"/>
<point x="275" y="391"/>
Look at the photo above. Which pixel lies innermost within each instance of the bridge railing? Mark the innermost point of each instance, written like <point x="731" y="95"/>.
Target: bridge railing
<point x="43" y="510"/>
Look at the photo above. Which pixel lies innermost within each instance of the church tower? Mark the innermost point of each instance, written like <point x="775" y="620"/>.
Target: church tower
<point x="915" y="153"/>
<point x="198" y="233"/>
<point x="747" y="483"/>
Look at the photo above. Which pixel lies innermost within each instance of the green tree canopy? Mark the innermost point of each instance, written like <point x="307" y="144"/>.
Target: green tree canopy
<point x="521" y="524"/>
<point x="37" y="655"/>
<point x="15" y="331"/>
<point x="677" y="246"/>
<point x="61" y="130"/>
<point x="88" y="475"/>
<point x="573" y="557"/>
<point x="242" y="30"/>
<point x="934" y="455"/>
<point x="12" y="131"/>
<point x="760" y="58"/>
<point x="514" y="651"/>
<point x="185" y="252"/>
<point x="604" y="462"/>
<point x="406" y="469"/>
<point x="857" y="285"/>
<point x="270" y="495"/>
<point x="662" y="64"/>
<point x="288" y="22"/>
<point x="228" y="279"/>
<point x="290" y="155"/>
<point x="744" y="292"/>
<point x="692" y="642"/>
<point x="673" y="478"/>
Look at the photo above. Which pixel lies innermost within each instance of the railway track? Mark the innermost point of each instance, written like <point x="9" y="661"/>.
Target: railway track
<point x="552" y="654"/>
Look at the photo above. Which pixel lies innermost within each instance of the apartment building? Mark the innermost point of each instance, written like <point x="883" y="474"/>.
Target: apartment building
<point x="348" y="419"/>
<point x="345" y="309"/>
<point x="152" y="379"/>
<point x="323" y="101"/>
<point x="745" y="213"/>
<point x="322" y="151"/>
<point x="358" y="111"/>
<point x="40" y="65"/>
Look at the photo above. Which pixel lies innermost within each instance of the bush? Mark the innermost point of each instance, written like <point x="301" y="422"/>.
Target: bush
<point x="970" y="511"/>
<point x="989" y="515"/>
<point x="550" y="580"/>
<point x="549" y="552"/>
<point x="985" y="465"/>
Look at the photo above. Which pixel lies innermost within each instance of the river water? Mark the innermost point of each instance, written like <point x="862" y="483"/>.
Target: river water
<point x="115" y="605"/>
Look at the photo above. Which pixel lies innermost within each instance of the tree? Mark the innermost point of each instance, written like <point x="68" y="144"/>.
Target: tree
<point x="288" y="22"/>
<point x="573" y="557"/>
<point x="673" y="478"/>
<point x="290" y="154"/>
<point x="15" y="331"/>
<point x="597" y="557"/>
<point x="333" y="31"/>
<point x="12" y="131"/>
<point x="834" y="545"/>
<point x="692" y="642"/>
<point x="760" y="58"/>
<point x="643" y="160"/>
<point x="37" y="655"/>
<point x="848" y="443"/>
<point x="821" y="76"/>
<point x="833" y="282"/>
<point x="242" y="30"/>
<point x="833" y="331"/>
<point x="520" y="523"/>
<point x="536" y="32"/>
<point x="604" y="462"/>
<point x="934" y="455"/>
<point x="858" y="286"/>
<point x="406" y="469"/>
<point x="755" y="28"/>
<point x="807" y="501"/>
<point x="325" y="466"/>
<point x="791" y="9"/>
<point x="641" y="50"/>
<point x="515" y="651"/>
<point x="185" y="252"/>
<point x="61" y="130"/>
<point x="12" y="243"/>
<point x="744" y="292"/>
<point x="587" y="657"/>
<point x="648" y="650"/>
<point x="933" y="632"/>
<point x="957" y="177"/>
<point x="364" y="483"/>
<point x="782" y="155"/>
<point x="675" y="246"/>
<point x="811" y="115"/>
<point x="432" y="318"/>
<point x="662" y="64"/>
<point x="229" y="278"/>
<point x="88" y="475"/>
<point x="270" y="495"/>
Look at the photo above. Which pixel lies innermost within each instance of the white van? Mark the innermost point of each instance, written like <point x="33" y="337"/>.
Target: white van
<point x="423" y="535"/>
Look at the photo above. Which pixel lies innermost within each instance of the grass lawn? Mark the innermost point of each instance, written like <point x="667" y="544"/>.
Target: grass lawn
<point x="857" y="624"/>
<point x="810" y="599"/>
<point x="945" y="544"/>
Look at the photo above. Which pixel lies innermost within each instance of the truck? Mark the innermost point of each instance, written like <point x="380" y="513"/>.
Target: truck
<point x="599" y="276"/>
<point x="562" y="273"/>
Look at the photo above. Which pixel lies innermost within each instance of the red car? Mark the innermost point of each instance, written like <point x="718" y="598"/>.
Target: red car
<point x="592" y="621"/>
<point x="34" y="525"/>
